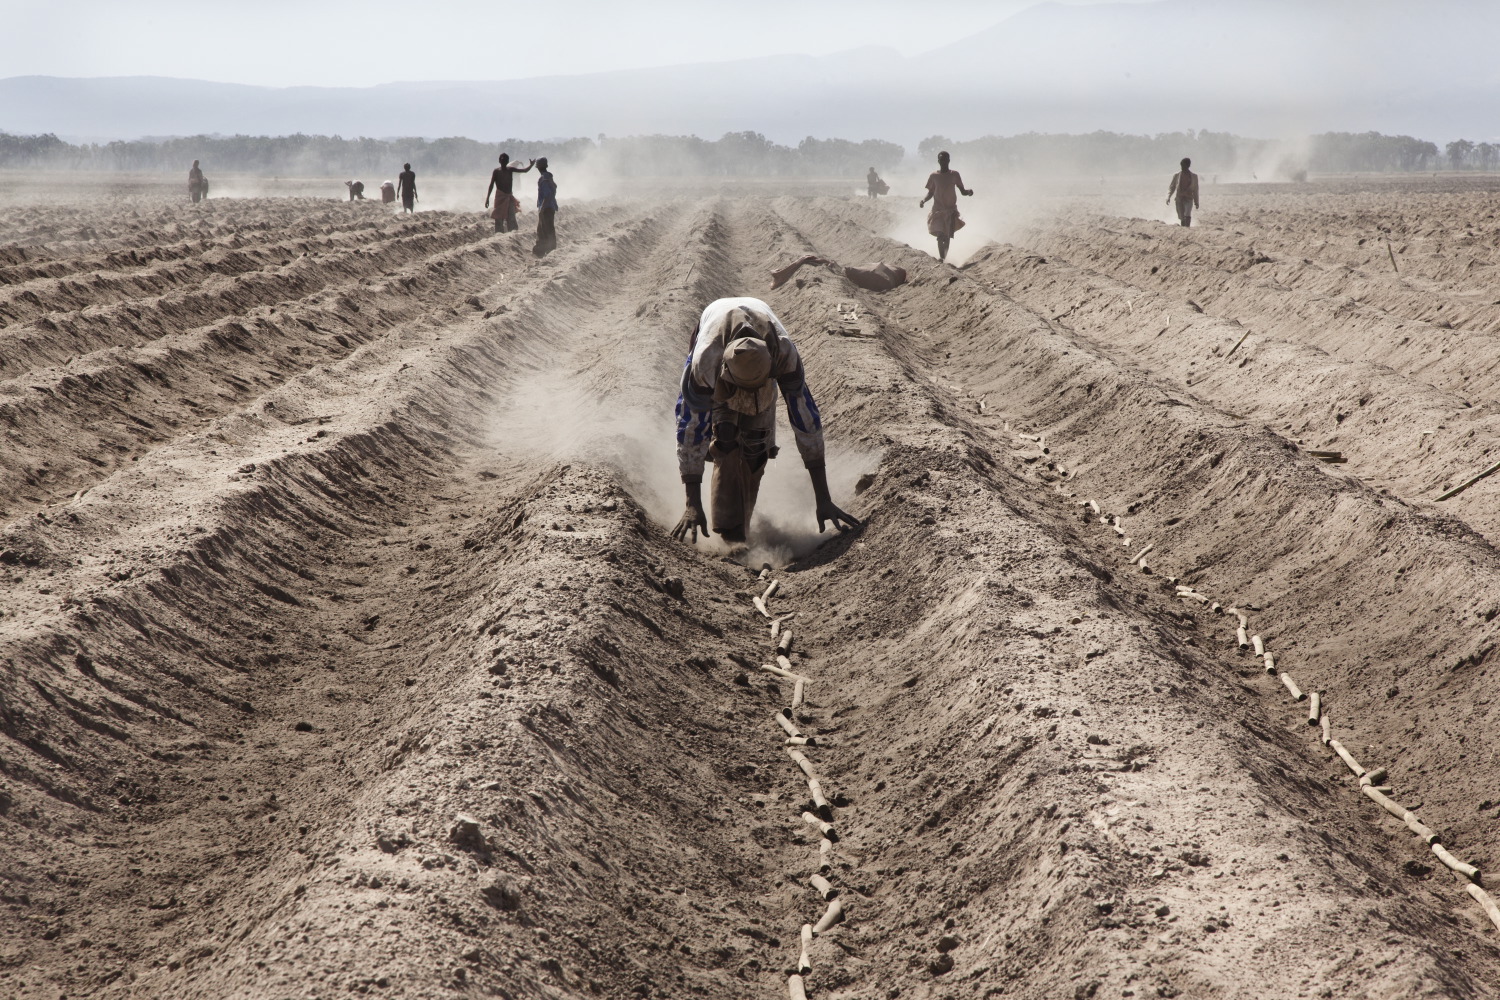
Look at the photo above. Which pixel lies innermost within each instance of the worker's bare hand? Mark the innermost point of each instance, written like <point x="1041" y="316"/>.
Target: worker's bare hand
<point x="692" y="522"/>
<point x="969" y="193"/>
<point x="829" y="511"/>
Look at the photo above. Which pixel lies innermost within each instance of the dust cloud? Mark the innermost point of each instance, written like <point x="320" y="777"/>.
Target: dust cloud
<point x="566" y="418"/>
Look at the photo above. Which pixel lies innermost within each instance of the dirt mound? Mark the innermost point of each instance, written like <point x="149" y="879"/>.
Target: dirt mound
<point x="345" y="650"/>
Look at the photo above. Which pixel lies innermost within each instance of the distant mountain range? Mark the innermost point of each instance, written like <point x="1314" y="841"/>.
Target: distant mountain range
<point x="1256" y="67"/>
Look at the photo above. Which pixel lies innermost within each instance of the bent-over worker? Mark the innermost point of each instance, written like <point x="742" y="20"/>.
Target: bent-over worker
<point x="741" y="359"/>
<point x="875" y="277"/>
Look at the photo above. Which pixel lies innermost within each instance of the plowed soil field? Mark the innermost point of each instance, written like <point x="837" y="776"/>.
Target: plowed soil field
<point x="345" y="651"/>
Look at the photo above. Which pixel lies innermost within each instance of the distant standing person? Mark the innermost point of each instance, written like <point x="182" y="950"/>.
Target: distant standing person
<point x="195" y="183"/>
<point x="502" y="183"/>
<point x="943" y="188"/>
<point x="875" y="185"/>
<point x="406" y="187"/>
<point x="1185" y="186"/>
<point x="546" y="204"/>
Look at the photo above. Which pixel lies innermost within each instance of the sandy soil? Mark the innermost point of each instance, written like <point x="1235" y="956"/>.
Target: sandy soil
<point x="346" y="651"/>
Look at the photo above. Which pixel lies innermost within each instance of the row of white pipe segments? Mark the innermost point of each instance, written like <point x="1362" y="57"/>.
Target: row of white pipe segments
<point x="1371" y="782"/>
<point x="821" y="821"/>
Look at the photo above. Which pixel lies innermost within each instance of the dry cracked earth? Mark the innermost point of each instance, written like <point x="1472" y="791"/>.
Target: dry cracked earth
<point x="345" y="651"/>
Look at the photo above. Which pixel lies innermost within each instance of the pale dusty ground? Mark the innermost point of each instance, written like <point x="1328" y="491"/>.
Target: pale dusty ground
<point x="322" y="526"/>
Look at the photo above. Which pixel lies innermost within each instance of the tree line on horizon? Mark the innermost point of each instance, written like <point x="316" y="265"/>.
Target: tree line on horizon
<point x="752" y="154"/>
<point x="734" y="154"/>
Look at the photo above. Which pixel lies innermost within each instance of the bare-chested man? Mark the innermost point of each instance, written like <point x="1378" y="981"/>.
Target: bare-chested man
<point x="877" y="277"/>
<point x="356" y="190"/>
<point x="502" y="180"/>
<point x="943" y="188"/>
<point x="1185" y="187"/>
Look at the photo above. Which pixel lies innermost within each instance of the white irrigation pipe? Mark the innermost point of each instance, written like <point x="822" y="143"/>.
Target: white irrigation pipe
<point x="1389" y="805"/>
<point x="822" y="826"/>
<point x="804" y="961"/>
<point x="797" y="692"/>
<point x="1463" y="868"/>
<point x="823" y="886"/>
<point x="760" y="605"/>
<point x="1142" y="553"/>
<point x="785" y="664"/>
<point x="794" y="988"/>
<point x="1369" y="782"/>
<point x="802" y="762"/>
<point x="802" y="741"/>
<point x="831" y="916"/>
<point x="775" y="584"/>
<point x="825" y="855"/>
<point x="784" y="644"/>
<point x="1347" y="758"/>
<point x="1421" y="829"/>
<point x="1241" y="638"/>
<point x="816" y="788"/>
<point x="1292" y="687"/>
<point x="787" y="724"/>
<point x="1484" y="900"/>
<point x="772" y="668"/>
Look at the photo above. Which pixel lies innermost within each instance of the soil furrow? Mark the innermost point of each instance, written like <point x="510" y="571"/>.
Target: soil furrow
<point x="72" y="427"/>
<point x="1198" y="484"/>
<point x="1451" y="349"/>
<point x="1401" y="437"/>
<point x="125" y="277"/>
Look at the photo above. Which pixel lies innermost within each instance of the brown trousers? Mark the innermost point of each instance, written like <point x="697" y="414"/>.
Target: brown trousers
<point x="732" y="495"/>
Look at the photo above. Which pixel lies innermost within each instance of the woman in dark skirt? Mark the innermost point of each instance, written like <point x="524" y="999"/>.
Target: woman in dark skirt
<point x="546" y="203"/>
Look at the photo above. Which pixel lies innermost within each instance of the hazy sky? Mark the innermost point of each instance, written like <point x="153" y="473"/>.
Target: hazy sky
<point x="365" y="42"/>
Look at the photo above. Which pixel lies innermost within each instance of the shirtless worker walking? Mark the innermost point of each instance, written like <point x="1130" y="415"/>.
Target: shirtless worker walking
<point x="1185" y="186"/>
<point x="502" y="182"/>
<point x="740" y="357"/>
<point x="943" y="188"/>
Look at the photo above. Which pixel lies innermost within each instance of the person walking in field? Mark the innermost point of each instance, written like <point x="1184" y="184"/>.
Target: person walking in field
<point x="874" y="186"/>
<point x="502" y="180"/>
<point x="195" y="183"/>
<point x="944" y="185"/>
<point x="546" y="204"/>
<point x="1185" y="187"/>
<point x="740" y="359"/>
<point x="406" y="187"/>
